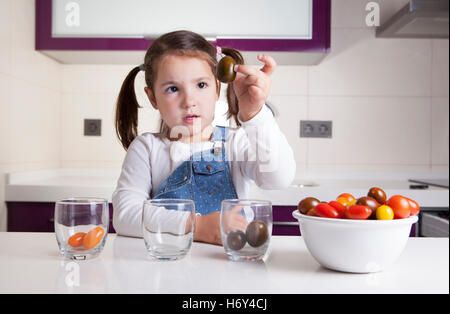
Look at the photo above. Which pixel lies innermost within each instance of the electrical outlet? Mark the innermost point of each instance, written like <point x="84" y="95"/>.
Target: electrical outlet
<point x="318" y="129"/>
<point x="92" y="127"/>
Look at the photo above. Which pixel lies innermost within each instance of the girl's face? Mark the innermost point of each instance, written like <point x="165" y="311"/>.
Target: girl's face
<point x="185" y="93"/>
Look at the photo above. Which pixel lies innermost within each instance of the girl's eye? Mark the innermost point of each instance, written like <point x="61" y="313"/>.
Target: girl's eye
<point x="202" y="85"/>
<point x="172" y="89"/>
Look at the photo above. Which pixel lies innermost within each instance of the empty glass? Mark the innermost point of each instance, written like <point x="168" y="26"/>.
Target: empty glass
<point x="168" y="227"/>
<point x="246" y="228"/>
<point x="81" y="226"/>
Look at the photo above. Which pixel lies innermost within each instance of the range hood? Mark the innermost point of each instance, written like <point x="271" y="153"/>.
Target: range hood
<point x="418" y="19"/>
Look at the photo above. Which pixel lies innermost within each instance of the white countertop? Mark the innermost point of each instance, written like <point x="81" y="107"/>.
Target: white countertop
<point x="31" y="263"/>
<point x="54" y="184"/>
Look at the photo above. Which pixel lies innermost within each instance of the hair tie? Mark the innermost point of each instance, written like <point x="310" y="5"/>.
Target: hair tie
<point x="219" y="50"/>
<point x="142" y="67"/>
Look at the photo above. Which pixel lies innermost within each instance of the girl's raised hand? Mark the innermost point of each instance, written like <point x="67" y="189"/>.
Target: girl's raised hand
<point x="252" y="86"/>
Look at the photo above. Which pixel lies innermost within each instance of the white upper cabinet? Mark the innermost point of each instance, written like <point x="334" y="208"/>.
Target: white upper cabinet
<point x="268" y="19"/>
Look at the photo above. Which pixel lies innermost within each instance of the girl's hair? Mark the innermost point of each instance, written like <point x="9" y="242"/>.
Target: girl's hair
<point x="181" y="43"/>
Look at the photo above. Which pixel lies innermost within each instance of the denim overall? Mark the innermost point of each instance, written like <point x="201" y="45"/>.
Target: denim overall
<point x="205" y="178"/>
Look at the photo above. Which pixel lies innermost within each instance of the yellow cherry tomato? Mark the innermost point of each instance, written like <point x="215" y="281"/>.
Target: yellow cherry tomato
<point x="351" y="203"/>
<point x="384" y="212"/>
<point x="343" y="200"/>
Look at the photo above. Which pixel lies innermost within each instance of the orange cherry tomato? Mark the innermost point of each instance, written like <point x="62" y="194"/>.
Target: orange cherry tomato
<point x="348" y="196"/>
<point x="360" y="212"/>
<point x="77" y="239"/>
<point x="93" y="238"/>
<point x="343" y="200"/>
<point x="400" y="205"/>
<point x="325" y="210"/>
<point x="339" y="207"/>
<point x="413" y="206"/>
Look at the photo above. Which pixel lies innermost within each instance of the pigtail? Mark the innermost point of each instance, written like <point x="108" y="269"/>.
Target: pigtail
<point x="127" y="110"/>
<point x="233" y="106"/>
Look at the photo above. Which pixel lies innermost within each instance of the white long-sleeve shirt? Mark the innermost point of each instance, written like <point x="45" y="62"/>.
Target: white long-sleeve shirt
<point x="257" y="152"/>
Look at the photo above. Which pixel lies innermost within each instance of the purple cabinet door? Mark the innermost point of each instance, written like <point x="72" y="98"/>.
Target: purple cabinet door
<point x="283" y="222"/>
<point x="36" y="217"/>
<point x="320" y="41"/>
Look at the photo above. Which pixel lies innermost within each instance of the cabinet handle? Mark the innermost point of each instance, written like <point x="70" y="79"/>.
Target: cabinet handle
<point x="51" y="220"/>
<point x="285" y="223"/>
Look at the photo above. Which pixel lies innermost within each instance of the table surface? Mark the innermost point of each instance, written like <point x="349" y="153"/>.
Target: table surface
<point x="31" y="263"/>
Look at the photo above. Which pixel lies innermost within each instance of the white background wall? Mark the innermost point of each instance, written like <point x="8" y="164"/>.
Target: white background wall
<point x="388" y="100"/>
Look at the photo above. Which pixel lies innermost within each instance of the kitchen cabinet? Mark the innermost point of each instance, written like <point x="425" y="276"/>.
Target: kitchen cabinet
<point x="283" y="221"/>
<point x="294" y="32"/>
<point x="36" y="217"/>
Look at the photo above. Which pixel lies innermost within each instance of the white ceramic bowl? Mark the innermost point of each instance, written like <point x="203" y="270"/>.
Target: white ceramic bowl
<point x="356" y="246"/>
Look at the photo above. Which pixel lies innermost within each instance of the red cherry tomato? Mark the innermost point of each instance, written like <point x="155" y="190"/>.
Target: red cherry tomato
<point x="400" y="205"/>
<point x="360" y="212"/>
<point x="348" y="196"/>
<point x="325" y="210"/>
<point x="413" y="206"/>
<point x="339" y="207"/>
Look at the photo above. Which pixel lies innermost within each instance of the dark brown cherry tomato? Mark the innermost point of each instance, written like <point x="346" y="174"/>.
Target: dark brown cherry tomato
<point x="236" y="240"/>
<point x="358" y="212"/>
<point x="378" y="194"/>
<point x="306" y="204"/>
<point x="326" y="211"/>
<point x="225" y="70"/>
<point x="257" y="233"/>
<point x="369" y="202"/>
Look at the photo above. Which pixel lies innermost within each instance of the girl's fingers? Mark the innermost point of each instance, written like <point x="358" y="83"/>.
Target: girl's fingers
<point x="269" y="64"/>
<point x="245" y="69"/>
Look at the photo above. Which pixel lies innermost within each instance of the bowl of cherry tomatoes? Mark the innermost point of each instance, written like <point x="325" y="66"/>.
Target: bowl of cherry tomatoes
<point x="357" y="235"/>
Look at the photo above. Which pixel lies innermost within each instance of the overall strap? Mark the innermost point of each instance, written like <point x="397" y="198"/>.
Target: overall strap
<point x="220" y="134"/>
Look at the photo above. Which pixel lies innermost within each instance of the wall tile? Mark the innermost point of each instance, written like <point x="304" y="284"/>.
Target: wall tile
<point x="291" y="110"/>
<point x="360" y="64"/>
<point x="440" y="131"/>
<point x="372" y="131"/>
<point x="440" y="68"/>
<point x="97" y="78"/>
<point x="290" y="80"/>
<point x="5" y="36"/>
<point x="26" y="63"/>
<point x="6" y="98"/>
<point x="35" y="128"/>
<point x="77" y="147"/>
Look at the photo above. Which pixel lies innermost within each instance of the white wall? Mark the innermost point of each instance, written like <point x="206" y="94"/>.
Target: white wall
<point x="30" y="97"/>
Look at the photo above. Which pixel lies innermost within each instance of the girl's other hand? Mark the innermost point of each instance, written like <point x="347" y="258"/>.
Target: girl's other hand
<point x="207" y="228"/>
<point x="252" y="86"/>
<point x="234" y="220"/>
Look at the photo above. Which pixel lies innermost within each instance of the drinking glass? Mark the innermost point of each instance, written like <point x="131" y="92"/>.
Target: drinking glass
<point x="168" y="227"/>
<point x="81" y="226"/>
<point x="246" y="228"/>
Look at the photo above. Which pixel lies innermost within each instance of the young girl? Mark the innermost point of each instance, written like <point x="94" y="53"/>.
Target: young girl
<point x="189" y="157"/>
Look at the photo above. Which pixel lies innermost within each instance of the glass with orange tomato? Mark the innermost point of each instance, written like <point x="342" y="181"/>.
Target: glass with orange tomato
<point x="81" y="226"/>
